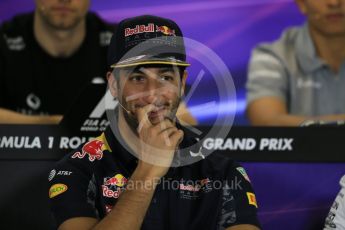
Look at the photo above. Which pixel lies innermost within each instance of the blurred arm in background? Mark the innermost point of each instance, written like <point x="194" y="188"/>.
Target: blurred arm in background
<point x="300" y="76"/>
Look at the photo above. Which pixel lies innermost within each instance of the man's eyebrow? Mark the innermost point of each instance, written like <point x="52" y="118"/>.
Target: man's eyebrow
<point x="141" y="70"/>
<point x="167" y="69"/>
<point x="136" y="70"/>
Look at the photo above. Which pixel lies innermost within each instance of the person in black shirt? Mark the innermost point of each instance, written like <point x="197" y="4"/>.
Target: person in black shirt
<point x="47" y="56"/>
<point x="146" y="171"/>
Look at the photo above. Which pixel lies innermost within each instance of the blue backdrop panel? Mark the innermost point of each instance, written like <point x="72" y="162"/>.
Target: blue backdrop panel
<point x="231" y="28"/>
<point x="294" y="195"/>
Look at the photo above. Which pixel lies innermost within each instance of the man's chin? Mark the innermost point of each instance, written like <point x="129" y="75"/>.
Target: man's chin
<point x="66" y="23"/>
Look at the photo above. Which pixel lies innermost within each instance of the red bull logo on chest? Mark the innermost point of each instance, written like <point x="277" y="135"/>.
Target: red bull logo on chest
<point x="93" y="149"/>
<point x="113" y="186"/>
<point x="119" y="180"/>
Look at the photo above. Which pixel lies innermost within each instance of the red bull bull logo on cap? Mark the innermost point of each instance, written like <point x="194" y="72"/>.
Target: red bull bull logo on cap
<point x="149" y="28"/>
<point x="165" y="30"/>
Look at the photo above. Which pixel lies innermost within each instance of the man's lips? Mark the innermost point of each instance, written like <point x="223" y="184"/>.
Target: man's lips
<point x="156" y="112"/>
<point x="62" y="9"/>
<point x="154" y="109"/>
<point x="335" y="16"/>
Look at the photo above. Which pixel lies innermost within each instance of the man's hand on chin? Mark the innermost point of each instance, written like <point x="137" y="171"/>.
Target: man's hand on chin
<point x="158" y="143"/>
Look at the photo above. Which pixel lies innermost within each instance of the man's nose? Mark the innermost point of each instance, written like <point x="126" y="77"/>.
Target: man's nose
<point x="151" y="97"/>
<point x="152" y="91"/>
<point x="335" y="3"/>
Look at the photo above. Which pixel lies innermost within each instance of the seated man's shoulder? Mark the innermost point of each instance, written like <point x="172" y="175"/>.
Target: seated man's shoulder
<point x="222" y="163"/>
<point x="283" y="46"/>
<point x="73" y="184"/>
<point x="15" y="33"/>
<point x="88" y="154"/>
<point x="99" y="24"/>
<point x="101" y="29"/>
<point x="17" y="25"/>
<point x="212" y="160"/>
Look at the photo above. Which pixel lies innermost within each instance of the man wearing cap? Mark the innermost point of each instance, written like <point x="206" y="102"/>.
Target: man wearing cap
<point x="301" y="76"/>
<point x="143" y="172"/>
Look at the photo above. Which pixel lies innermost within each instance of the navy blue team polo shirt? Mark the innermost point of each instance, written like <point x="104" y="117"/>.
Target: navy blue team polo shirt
<point x="213" y="193"/>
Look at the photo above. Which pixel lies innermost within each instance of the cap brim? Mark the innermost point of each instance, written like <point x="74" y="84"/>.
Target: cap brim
<point x="144" y="60"/>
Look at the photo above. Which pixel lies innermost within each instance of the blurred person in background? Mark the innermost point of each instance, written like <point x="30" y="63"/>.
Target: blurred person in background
<point x="301" y="76"/>
<point x="46" y="55"/>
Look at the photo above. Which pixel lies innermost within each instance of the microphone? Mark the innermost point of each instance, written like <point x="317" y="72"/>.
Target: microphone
<point x="127" y="111"/>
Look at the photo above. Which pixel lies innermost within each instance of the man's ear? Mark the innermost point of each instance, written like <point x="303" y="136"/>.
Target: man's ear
<point x="112" y="84"/>
<point x="183" y="82"/>
<point x="301" y="5"/>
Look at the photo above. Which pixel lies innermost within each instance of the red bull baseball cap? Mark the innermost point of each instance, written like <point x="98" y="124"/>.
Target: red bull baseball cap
<point x="147" y="40"/>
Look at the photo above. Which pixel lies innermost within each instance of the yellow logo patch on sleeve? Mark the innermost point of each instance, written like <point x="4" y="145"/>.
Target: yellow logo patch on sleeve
<point x="57" y="189"/>
<point x="252" y="199"/>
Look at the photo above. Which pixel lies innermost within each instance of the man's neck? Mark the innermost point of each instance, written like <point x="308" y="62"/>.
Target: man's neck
<point x="58" y="43"/>
<point x="330" y="48"/>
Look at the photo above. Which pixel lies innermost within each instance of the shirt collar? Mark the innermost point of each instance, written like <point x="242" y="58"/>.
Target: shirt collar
<point x="119" y="146"/>
<point x="306" y="52"/>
